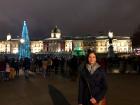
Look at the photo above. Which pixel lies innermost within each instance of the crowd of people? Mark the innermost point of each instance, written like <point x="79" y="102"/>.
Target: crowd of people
<point x="10" y="67"/>
<point x="65" y="65"/>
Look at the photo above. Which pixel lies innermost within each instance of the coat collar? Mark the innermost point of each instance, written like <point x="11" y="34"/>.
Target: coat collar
<point x="92" y="68"/>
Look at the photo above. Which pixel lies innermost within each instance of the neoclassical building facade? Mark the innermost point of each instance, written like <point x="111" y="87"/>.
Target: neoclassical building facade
<point x="121" y="44"/>
<point x="58" y="43"/>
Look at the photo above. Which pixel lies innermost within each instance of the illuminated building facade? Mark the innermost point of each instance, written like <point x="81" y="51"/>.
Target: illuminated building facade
<point x="37" y="47"/>
<point x="57" y="43"/>
<point x="9" y="47"/>
<point x="120" y="44"/>
<point x="68" y="45"/>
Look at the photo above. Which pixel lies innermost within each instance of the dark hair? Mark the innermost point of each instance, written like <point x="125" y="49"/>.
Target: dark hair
<point x="89" y="51"/>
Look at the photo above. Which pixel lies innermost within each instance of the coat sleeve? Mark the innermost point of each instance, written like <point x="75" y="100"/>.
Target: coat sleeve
<point x="103" y="87"/>
<point x="81" y="90"/>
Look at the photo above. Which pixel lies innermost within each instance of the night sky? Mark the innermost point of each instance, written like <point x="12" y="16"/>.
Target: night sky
<point x="73" y="17"/>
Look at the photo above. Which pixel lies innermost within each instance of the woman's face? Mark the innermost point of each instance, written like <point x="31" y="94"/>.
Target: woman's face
<point x="92" y="58"/>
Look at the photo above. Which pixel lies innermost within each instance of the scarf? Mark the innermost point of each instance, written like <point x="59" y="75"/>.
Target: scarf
<point x="92" y="67"/>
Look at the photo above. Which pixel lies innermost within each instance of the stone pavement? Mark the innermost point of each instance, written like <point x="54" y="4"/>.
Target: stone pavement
<point x="56" y="90"/>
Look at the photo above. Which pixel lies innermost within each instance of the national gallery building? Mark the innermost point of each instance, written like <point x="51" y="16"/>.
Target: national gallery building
<point x="57" y="43"/>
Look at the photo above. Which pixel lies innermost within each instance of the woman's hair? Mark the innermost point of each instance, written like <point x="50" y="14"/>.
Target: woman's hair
<point x="88" y="53"/>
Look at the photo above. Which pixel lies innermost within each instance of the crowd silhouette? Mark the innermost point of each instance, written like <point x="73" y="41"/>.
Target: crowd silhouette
<point x="66" y="66"/>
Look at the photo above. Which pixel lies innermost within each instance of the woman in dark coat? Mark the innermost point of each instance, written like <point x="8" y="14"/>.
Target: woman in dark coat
<point x="92" y="82"/>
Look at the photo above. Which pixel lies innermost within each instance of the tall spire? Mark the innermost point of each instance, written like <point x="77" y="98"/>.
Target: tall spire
<point x="24" y="48"/>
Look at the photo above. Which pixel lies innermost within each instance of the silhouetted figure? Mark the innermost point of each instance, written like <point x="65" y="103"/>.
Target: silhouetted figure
<point x="26" y="67"/>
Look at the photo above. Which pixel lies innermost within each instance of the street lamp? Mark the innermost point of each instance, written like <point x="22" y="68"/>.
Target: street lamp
<point x="21" y="49"/>
<point x="9" y="39"/>
<point x="22" y="40"/>
<point x="110" y="35"/>
<point x="110" y="48"/>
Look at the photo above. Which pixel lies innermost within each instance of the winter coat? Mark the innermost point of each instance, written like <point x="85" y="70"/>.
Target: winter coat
<point x="91" y="85"/>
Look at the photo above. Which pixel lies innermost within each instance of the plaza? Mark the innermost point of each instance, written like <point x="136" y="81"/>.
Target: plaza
<point x="123" y="89"/>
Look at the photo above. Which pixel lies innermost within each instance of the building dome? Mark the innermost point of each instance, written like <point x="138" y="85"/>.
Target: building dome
<point x="56" y="33"/>
<point x="56" y="30"/>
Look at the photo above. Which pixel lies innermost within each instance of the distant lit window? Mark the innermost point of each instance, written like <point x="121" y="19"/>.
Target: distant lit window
<point x="118" y="44"/>
<point x="99" y="44"/>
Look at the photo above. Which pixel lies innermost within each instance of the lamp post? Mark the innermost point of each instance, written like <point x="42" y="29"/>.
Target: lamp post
<point x="9" y="40"/>
<point x="110" y="48"/>
<point x="21" y="49"/>
<point x="110" y="36"/>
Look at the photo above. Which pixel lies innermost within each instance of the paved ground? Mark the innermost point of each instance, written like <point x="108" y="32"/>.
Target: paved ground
<point x="56" y="90"/>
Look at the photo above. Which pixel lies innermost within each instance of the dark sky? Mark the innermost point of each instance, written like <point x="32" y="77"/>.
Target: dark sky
<point x="73" y="17"/>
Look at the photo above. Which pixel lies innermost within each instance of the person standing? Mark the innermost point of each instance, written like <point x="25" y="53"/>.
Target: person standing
<point x="45" y="67"/>
<point x="17" y="67"/>
<point x="92" y="82"/>
<point x="26" y="67"/>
